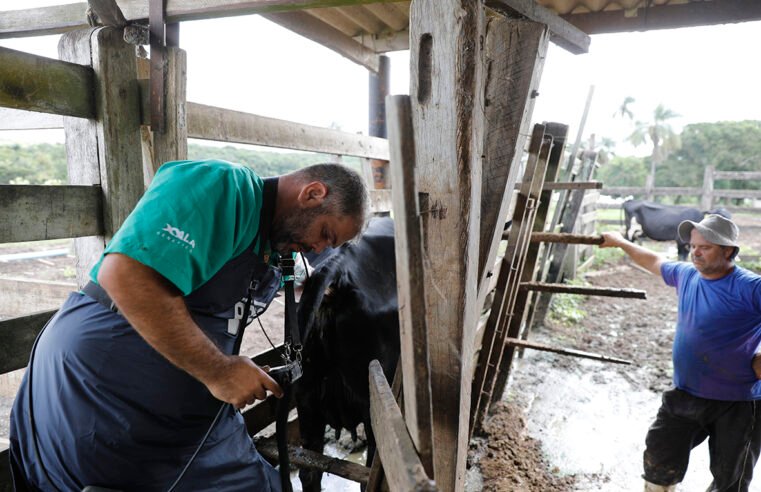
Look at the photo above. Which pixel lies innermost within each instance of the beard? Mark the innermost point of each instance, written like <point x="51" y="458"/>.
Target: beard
<point x="289" y="230"/>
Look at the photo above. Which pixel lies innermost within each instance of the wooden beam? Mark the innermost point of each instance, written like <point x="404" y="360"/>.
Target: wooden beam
<point x="312" y="28"/>
<point x="63" y="18"/>
<point x="36" y="213"/>
<point x="37" y="83"/>
<point x="515" y="52"/>
<point x="17" y="336"/>
<point x="172" y="143"/>
<point x="447" y="89"/>
<point x="551" y="237"/>
<point x="562" y="32"/>
<point x="668" y="16"/>
<point x="210" y="123"/>
<point x="17" y="119"/>
<point x="739" y="175"/>
<point x="572" y="185"/>
<point x="392" y="17"/>
<point x="410" y="277"/>
<point x="312" y="460"/>
<point x="587" y="291"/>
<point x="108" y="13"/>
<point x="517" y="342"/>
<point x="385" y="42"/>
<point x="401" y="464"/>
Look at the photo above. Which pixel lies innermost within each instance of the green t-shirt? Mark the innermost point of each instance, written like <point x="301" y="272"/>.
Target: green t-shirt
<point x="194" y="218"/>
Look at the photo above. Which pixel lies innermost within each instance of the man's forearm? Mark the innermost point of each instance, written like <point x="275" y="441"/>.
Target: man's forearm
<point x="158" y="312"/>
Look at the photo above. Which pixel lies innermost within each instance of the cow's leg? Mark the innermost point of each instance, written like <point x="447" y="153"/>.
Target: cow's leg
<point x="371" y="447"/>
<point x="312" y="429"/>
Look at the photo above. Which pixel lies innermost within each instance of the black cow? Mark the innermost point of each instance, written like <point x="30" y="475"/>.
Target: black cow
<point x="348" y="316"/>
<point x="660" y="222"/>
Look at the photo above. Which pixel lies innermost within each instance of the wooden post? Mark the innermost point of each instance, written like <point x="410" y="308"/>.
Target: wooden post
<point x="515" y="54"/>
<point x="379" y="87"/>
<point x="706" y="200"/>
<point x="410" y="280"/>
<point x="172" y="144"/>
<point x="447" y="91"/>
<point x="105" y="150"/>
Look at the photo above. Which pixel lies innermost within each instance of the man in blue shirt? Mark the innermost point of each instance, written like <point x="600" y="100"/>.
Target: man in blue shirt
<point x="717" y="367"/>
<point x="139" y="375"/>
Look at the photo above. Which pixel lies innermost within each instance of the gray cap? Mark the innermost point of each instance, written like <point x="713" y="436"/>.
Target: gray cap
<point x="714" y="228"/>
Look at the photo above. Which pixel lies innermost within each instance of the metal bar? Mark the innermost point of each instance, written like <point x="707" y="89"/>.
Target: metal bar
<point x="516" y="342"/>
<point x="312" y="460"/>
<point x="572" y="185"/>
<point x="589" y="291"/>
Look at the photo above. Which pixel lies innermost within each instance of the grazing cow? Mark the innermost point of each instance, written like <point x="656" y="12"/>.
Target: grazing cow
<point x="348" y="316"/>
<point x="660" y="222"/>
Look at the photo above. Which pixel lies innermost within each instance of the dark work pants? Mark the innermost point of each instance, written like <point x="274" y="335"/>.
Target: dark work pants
<point x="733" y="430"/>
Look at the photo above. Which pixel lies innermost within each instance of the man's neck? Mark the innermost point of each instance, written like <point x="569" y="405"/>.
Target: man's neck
<point x="720" y="274"/>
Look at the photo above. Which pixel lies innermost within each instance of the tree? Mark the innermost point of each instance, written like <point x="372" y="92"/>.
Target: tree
<point x="660" y="134"/>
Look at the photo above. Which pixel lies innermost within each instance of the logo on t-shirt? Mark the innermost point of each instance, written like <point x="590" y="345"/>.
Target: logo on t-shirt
<point x="175" y="234"/>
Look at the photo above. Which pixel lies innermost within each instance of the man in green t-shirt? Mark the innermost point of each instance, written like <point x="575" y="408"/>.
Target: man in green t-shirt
<point x="128" y="376"/>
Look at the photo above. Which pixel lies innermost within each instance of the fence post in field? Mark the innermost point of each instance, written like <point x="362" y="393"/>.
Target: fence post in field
<point x="706" y="200"/>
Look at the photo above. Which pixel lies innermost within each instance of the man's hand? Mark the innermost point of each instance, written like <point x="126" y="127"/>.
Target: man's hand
<point x="241" y="382"/>
<point x="612" y="240"/>
<point x="756" y="364"/>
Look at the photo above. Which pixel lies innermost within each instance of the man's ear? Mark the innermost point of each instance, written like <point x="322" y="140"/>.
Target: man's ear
<point x="312" y="194"/>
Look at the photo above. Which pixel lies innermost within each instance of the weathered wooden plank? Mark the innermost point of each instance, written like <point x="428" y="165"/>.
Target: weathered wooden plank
<point x="408" y="246"/>
<point x="333" y="17"/>
<point x="35" y="213"/>
<point x="667" y="16"/>
<point x="385" y="42"/>
<point x="210" y="123"/>
<point x="63" y="18"/>
<point x="572" y="185"/>
<point x="312" y="28"/>
<point x="447" y="89"/>
<point x="515" y="52"/>
<point x="23" y="295"/>
<point x="588" y="291"/>
<point x="36" y="83"/>
<point x="401" y="464"/>
<point x="737" y="193"/>
<point x="82" y="152"/>
<point x="739" y="175"/>
<point x="395" y="19"/>
<point x="107" y="12"/>
<point x="172" y="144"/>
<point x="311" y="460"/>
<point x="563" y="33"/>
<point x="17" y="336"/>
<point x="551" y="237"/>
<point x="17" y="119"/>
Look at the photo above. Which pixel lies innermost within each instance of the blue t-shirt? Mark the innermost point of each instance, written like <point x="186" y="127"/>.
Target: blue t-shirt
<point x="717" y="334"/>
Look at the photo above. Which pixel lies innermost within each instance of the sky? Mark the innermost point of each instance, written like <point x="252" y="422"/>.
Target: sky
<point x="249" y="64"/>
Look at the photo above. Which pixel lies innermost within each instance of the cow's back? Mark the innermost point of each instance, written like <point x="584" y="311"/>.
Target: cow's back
<point x="660" y="222"/>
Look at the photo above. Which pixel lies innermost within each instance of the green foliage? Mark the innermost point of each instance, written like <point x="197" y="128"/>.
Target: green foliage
<point x="607" y="256"/>
<point x="33" y="164"/>
<point x="46" y="163"/>
<point x="624" y="171"/>
<point x="566" y="308"/>
<point x="726" y="145"/>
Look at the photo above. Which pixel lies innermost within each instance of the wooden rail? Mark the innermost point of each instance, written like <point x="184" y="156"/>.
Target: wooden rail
<point x="517" y="342"/>
<point x="402" y="466"/>
<point x="589" y="291"/>
<point x="17" y="336"/>
<point x="549" y="237"/>
<point x="570" y="185"/>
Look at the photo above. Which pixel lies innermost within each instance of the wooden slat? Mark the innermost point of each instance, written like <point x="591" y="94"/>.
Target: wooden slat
<point x="82" y="152"/>
<point x="311" y="460"/>
<point x="587" y="291"/>
<point x="17" y="336"/>
<point x="210" y="123"/>
<point x="386" y="12"/>
<point x="36" y="83"/>
<point x="312" y="28"/>
<point x="739" y="175"/>
<point x="550" y="237"/>
<point x="363" y="18"/>
<point x="410" y="279"/>
<point x="17" y="119"/>
<point x="447" y="88"/>
<point x="401" y="464"/>
<point x="737" y="193"/>
<point x="516" y="51"/>
<point x="172" y="144"/>
<point x="573" y="185"/>
<point x="62" y="18"/>
<point x="385" y="42"/>
<point x="333" y="17"/>
<point x="35" y="213"/>
<point x="668" y="16"/>
<point x="563" y="33"/>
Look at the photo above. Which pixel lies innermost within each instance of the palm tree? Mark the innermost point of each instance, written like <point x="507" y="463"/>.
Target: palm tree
<point x="660" y="134"/>
<point x="623" y="111"/>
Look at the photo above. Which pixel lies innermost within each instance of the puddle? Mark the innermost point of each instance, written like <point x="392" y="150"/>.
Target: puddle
<point x="592" y="421"/>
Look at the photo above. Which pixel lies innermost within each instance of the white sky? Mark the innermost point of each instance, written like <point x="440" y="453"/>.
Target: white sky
<point x="249" y="64"/>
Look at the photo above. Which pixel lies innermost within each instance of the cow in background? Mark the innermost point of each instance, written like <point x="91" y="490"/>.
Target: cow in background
<point x="348" y="316"/>
<point x="660" y="222"/>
